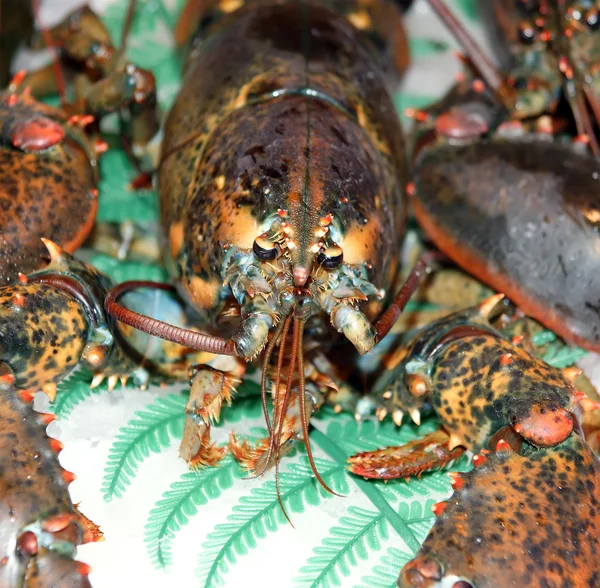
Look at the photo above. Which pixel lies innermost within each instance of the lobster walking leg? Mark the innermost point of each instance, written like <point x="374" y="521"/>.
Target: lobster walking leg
<point x="210" y="388"/>
<point x="107" y="81"/>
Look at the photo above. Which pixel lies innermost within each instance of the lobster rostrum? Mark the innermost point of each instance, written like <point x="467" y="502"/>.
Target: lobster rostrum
<point x="498" y="191"/>
<point x="490" y="392"/>
<point x="49" y="156"/>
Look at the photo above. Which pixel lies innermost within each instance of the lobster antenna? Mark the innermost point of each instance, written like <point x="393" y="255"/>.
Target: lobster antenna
<point x="284" y="329"/>
<point x="58" y="72"/>
<point x="276" y="440"/>
<point x="127" y="26"/>
<point x="303" y="416"/>
<point x="487" y="70"/>
<point x="265" y="365"/>
<point x="160" y="329"/>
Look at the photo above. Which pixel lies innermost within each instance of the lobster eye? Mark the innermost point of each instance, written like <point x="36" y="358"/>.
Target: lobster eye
<point x="592" y="18"/>
<point x="331" y="257"/>
<point x="526" y="33"/>
<point x="265" y="249"/>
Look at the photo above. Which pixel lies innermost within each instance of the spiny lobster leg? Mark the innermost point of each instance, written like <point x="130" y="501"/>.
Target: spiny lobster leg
<point x="40" y="527"/>
<point x="426" y="454"/>
<point x="516" y="520"/>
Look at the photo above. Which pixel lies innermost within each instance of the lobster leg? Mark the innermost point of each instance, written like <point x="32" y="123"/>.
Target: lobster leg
<point x="422" y="455"/>
<point x="209" y="389"/>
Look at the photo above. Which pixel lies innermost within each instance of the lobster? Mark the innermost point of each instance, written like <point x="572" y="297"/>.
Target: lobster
<point x="297" y="229"/>
<point x="496" y="191"/>
<point x="298" y="224"/>
<point x="40" y="142"/>
<point x="522" y="419"/>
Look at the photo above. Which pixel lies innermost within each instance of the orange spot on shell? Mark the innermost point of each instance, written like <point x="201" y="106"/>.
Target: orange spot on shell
<point x="544" y="426"/>
<point x="28" y="543"/>
<point x="84" y="569"/>
<point x="438" y="508"/>
<point x="7" y="379"/>
<point x="18" y="300"/>
<point x="479" y="460"/>
<point x="37" y="134"/>
<point x="101" y="146"/>
<point x="26" y="395"/>
<point x="503" y="445"/>
<point x="16" y="80"/>
<point x="68" y="477"/>
<point x="478" y="86"/>
<point x="456" y="480"/>
<point x="57" y="523"/>
<point x="56" y="445"/>
<point x="48" y="417"/>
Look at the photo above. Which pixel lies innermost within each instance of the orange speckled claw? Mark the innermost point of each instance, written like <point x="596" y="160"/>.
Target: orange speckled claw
<point x="414" y="458"/>
<point x="494" y="528"/>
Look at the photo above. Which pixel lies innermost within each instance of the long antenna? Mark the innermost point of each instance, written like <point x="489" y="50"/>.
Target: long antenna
<point x="58" y="72"/>
<point x="487" y="70"/>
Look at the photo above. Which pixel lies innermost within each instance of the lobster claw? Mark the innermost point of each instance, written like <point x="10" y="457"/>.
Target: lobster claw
<point x="545" y="426"/>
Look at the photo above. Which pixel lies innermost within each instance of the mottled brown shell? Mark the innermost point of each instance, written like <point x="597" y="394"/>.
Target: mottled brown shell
<point x="518" y="520"/>
<point x="34" y="494"/>
<point x="49" y="193"/>
<point x="283" y="108"/>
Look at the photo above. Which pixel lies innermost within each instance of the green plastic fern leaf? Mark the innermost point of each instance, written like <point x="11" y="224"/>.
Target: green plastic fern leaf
<point x="385" y="574"/>
<point x="151" y="430"/>
<point x="358" y="534"/>
<point x="259" y="513"/>
<point x="121" y="271"/>
<point x="561" y="356"/>
<point x="181" y="502"/>
<point x="420" y="519"/>
<point x="358" y="537"/>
